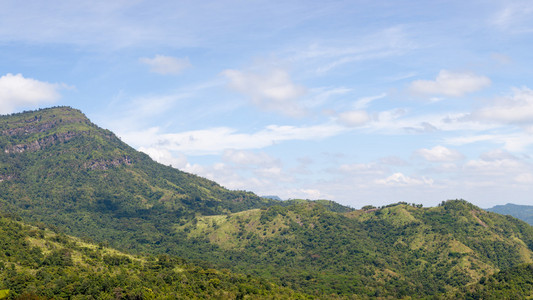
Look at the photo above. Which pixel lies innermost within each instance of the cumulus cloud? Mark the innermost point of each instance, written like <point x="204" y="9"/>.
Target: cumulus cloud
<point x="166" y="64"/>
<point x="514" y="109"/>
<point x="440" y="154"/>
<point x="272" y="90"/>
<point x="453" y="84"/>
<point x="17" y="91"/>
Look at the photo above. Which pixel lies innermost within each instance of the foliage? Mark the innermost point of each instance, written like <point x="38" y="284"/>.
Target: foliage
<point x="393" y="251"/>
<point x="40" y="264"/>
<point x="513" y="283"/>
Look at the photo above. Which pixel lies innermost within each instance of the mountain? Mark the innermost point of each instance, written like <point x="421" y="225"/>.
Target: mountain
<point x="59" y="170"/>
<point x="37" y="263"/>
<point x="522" y="212"/>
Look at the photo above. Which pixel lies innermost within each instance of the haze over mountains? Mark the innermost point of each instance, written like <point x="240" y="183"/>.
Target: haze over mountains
<point x="59" y="170"/>
<point x="522" y="212"/>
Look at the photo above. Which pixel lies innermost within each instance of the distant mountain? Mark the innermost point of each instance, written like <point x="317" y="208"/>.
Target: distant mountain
<point x="58" y="169"/>
<point x="522" y="212"/>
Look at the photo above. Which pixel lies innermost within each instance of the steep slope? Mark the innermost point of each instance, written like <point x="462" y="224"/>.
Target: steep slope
<point x="37" y="263"/>
<point x="395" y="251"/>
<point x="58" y="168"/>
<point x="522" y="212"/>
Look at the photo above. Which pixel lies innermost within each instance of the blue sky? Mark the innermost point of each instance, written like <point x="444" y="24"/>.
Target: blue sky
<point x="361" y="102"/>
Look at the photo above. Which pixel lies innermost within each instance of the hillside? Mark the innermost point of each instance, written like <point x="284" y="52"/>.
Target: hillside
<point x="513" y="283"/>
<point x="37" y="263"/>
<point x="58" y="169"/>
<point x="522" y="212"/>
<point x="394" y="251"/>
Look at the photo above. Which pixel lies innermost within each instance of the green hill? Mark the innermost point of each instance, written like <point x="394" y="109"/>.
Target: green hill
<point x="522" y="212"/>
<point x="394" y="251"/>
<point x="58" y="169"/>
<point x="37" y="263"/>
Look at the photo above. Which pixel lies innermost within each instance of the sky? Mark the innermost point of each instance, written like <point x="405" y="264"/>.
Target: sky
<point x="360" y="102"/>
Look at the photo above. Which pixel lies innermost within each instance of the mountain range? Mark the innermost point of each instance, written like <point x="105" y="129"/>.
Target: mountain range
<point x="522" y="212"/>
<point x="60" y="171"/>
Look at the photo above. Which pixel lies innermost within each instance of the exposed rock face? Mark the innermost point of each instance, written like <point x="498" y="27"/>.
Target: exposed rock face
<point x="49" y="127"/>
<point x="42" y="143"/>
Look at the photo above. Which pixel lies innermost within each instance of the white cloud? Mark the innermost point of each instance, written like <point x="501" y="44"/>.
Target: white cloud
<point x="310" y="193"/>
<point x="399" y="179"/>
<point x="496" y="155"/>
<point x="354" y="118"/>
<point x="166" y="64"/>
<point x="502" y="167"/>
<point x="512" y="141"/>
<point x="514" y="17"/>
<point x="17" y="91"/>
<point x="241" y="157"/>
<point x="525" y="178"/>
<point x="270" y="172"/>
<point x="165" y="157"/>
<point x="450" y="84"/>
<point x="272" y="90"/>
<point x="216" y="140"/>
<point x="365" y="101"/>
<point x="362" y="169"/>
<point x="497" y="163"/>
<point x="514" y="109"/>
<point x="440" y="154"/>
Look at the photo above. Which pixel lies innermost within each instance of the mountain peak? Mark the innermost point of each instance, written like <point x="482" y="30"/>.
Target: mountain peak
<point x="34" y="130"/>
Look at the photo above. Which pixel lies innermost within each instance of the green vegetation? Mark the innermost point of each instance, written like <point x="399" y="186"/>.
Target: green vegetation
<point x="60" y="171"/>
<point x="38" y="263"/>
<point x="394" y="251"/>
<point x="513" y="283"/>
